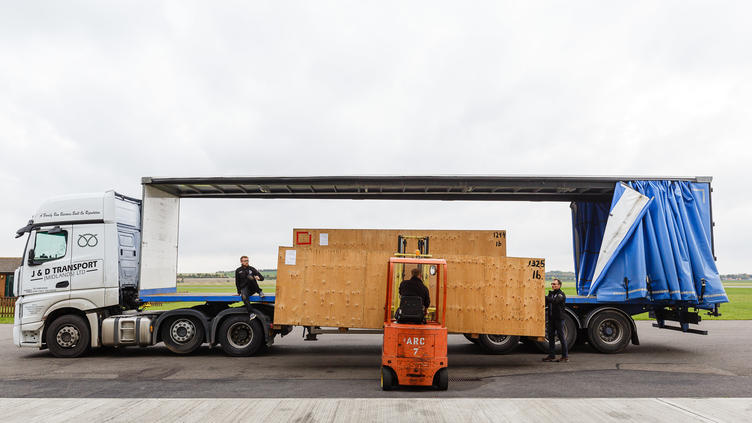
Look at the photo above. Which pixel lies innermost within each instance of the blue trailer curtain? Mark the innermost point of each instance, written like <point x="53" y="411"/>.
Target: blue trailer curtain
<point x="668" y="255"/>
<point x="588" y="224"/>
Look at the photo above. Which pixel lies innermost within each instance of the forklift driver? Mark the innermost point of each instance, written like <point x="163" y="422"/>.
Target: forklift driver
<point x="414" y="287"/>
<point x="245" y="282"/>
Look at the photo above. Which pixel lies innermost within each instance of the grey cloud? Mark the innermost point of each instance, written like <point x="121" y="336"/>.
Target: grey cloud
<point x="94" y="96"/>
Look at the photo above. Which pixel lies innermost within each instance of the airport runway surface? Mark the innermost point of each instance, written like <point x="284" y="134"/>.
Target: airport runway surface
<point x="666" y="364"/>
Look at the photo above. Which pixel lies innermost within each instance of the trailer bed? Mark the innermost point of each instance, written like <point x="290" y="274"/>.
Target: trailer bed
<point x="203" y="297"/>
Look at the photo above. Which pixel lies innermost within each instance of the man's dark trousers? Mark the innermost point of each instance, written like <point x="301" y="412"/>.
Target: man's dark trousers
<point x="556" y="326"/>
<point x="245" y="294"/>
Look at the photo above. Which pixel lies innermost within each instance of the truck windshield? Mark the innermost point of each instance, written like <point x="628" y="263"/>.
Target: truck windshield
<point x="50" y="246"/>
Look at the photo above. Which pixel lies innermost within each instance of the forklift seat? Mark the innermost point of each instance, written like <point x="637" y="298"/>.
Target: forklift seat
<point x="410" y="310"/>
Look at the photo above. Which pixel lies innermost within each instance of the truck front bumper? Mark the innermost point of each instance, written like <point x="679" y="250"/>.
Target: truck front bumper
<point x="29" y="334"/>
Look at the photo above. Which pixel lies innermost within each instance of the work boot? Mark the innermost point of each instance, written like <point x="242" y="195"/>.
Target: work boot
<point x="563" y="360"/>
<point x="549" y="358"/>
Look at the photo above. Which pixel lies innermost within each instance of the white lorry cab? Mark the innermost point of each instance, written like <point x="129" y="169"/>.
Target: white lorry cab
<point x="80" y="262"/>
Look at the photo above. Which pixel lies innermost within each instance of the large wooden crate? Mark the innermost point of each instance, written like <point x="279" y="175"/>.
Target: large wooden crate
<point x="441" y="242"/>
<point x="346" y="287"/>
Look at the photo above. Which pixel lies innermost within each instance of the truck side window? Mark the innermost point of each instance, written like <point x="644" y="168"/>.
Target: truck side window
<point x="50" y="246"/>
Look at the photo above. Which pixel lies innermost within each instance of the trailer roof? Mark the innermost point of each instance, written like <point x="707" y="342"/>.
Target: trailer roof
<point x="455" y="187"/>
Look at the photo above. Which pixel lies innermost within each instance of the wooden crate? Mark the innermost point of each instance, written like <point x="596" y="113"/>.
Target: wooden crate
<point x="337" y="287"/>
<point x="441" y="242"/>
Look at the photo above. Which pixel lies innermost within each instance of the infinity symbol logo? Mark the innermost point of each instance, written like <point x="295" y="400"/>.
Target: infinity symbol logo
<point x="87" y="240"/>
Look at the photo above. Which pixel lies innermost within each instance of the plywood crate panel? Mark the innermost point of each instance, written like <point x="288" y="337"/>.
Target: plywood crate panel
<point x="347" y="288"/>
<point x="441" y="242"/>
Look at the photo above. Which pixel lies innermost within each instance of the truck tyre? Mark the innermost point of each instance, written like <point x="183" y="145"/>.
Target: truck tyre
<point x="388" y="379"/>
<point x="471" y="339"/>
<point x="182" y="334"/>
<point x="241" y="337"/>
<point x="68" y="336"/>
<point x="570" y="333"/>
<point x="441" y="379"/>
<point x="498" y="344"/>
<point x="609" y="332"/>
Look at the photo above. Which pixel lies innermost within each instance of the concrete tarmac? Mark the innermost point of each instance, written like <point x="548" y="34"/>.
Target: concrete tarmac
<point x="666" y="364"/>
<point x="669" y="410"/>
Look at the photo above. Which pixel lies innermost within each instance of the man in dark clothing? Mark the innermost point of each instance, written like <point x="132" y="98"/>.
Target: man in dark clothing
<point x="414" y="287"/>
<point x="246" y="278"/>
<point x="555" y="301"/>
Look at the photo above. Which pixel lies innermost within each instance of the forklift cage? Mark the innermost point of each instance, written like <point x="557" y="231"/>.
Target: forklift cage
<point x="441" y="287"/>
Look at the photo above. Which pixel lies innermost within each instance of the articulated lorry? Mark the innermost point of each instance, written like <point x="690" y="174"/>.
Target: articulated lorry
<point x="92" y="261"/>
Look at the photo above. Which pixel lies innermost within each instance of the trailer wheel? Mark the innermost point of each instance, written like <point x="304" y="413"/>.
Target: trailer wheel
<point x="441" y="379"/>
<point x="182" y="334"/>
<point x="570" y="334"/>
<point x="498" y="344"/>
<point x="471" y="339"/>
<point x="388" y="379"/>
<point x="68" y="336"/>
<point x="609" y="332"/>
<point x="240" y="336"/>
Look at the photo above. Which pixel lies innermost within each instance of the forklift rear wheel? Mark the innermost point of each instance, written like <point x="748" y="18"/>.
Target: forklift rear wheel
<point x="470" y="338"/>
<point x="241" y="337"/>
<point x="388" y="379"/>
<point x="498" y="344"/>
<point x="182" y="335"/>
<point x="441" y="379"/>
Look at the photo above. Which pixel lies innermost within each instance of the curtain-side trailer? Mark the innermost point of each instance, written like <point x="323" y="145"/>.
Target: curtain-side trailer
<point x="91" y="261"/>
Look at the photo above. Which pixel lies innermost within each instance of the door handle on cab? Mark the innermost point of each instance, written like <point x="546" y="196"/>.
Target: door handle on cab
<point x="62" y="284"/>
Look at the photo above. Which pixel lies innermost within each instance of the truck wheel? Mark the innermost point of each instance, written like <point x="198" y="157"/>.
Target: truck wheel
<point x="471" y="339"/>
<point x="182" y="334"/>
<point x="388" y="379"/>
<point x="441" y="379"/>
<point x="609" y="332"/>
<point x="498" y="344"/>
<point x="68" y="336"/>
<point x="240" y="336"/>
<point x="570" y="334"/>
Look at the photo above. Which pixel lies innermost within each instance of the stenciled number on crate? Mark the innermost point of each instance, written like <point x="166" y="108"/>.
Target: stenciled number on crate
<point x="539" y="263"/>
<point x="536" y="263"/>
<point x="499" y="235"/>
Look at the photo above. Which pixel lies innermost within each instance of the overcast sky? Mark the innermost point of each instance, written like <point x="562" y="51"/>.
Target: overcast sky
<point x="93" y="96"/>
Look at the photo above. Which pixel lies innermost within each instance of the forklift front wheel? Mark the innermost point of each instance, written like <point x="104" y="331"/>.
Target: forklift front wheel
<point x="388" y="379"/>
<point x="441" y="379"/>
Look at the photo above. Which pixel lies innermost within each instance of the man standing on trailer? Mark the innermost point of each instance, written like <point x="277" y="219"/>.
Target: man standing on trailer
<point x="246" y="278"/>
<point x="555" y="301"/>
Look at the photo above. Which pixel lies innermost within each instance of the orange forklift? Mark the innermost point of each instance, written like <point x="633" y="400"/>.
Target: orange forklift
<point x="415" y="337"/>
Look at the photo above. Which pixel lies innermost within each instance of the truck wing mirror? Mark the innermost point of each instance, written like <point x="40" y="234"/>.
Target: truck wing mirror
<point x="31" y="260"/>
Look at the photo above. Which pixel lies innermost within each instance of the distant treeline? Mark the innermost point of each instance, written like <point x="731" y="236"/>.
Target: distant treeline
<point x="550" y="275"/>
<point x="737" y="277"/>
<point x="561" y="275"/>
<point x="268" y="274"/>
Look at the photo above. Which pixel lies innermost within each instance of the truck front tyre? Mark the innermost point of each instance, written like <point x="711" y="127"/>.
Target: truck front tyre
<point x="182" y="335"/>
<point x="68" y="336"/>
<point x="240" y="337"/>
<point x="609" y="332"/>
<point x="498" y="344"/>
